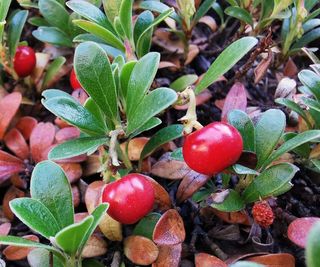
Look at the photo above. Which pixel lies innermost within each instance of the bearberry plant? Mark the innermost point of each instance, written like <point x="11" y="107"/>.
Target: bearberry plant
<point x="49" y="212"/>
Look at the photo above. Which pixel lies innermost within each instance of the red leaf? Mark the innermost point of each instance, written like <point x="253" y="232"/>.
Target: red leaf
<point x="67" y="133"/>
<point x="25" y="125"/>
<point x="72" y="170"/>
<point x="168" y="256"/>
<point x="236" y="99"/>
<point x="15" y="141"/>
<point x="299" y="229"/>
<point x="9" y="106"/>
<point x="41" y="139"/>
<point x="14" y="253"/>
<point x="9" y="165"/>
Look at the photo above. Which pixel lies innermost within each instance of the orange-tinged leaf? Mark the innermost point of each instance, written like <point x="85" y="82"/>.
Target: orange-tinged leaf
<point x="162" y="198"/>
<point x="41" y="139"/>
<point x="11" y="194"/>
<point x="15" y="141"/>
<point x="168" y="256"/>
<point x="140" y="250"/>
<point x="299" y="229"/>
<point x="72" y="170"/>
<point x="236" y="99"/>
<point x="75" y="195"/>
<point x="5" y="228"/>
<point x="14" y="253"/>
<point x="9" y="106"/>
<point x="210" y="22"/>
<point x="207" y="260"/>
<point x="18" y="181"/>
<point x="135" y="147"/>
<point x="9" y="165"/>
<point x="190" y="184"/>
<point x="26" y="125"/>
<point x="274" y="260"/>
<point x="169" y="230"/>
<point x="67" y="133"/>
<point x="193" y="52"/>
<point x="61" y="123"/>
<point x="95" y="247"/>
<point x="290" y="69"/>
<point x="93" y="195"/>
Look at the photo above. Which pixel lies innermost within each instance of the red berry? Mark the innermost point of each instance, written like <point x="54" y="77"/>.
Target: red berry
<point x="74" y="81"/>
<point x="213" y="148"/>
<point x="24" y="61"/>
<point x="130" y="198"/>
<point x="262" y="214"/>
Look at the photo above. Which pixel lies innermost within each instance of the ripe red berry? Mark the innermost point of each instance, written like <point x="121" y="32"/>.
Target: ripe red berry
<point x="130" y="198"/>
<point x="74" y="81"/>
<point x="24" y="61"/>
<point x="262" y="214"/>
<point x="213" y="148"/>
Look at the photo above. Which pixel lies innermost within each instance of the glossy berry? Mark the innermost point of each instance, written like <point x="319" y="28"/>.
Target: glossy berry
<point x="130" y="198"/>
<point x="213" y="148"/>
<point x="24" y="61"/>
<point x="262" y="214"/>
<point x="74" y="81"/>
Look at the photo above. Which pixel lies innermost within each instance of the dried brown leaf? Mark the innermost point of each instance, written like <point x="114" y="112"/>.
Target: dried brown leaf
<point x="168" y="256"/>
<point x="263" y="66"/>
<point x="169" y="230"/>
<point x="207" y="260"/>
<point x="72" y="170"/>
<point x="95" y="247"/>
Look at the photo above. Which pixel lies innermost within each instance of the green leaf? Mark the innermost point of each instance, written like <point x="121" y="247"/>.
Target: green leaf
<point x="310" y="24"/>
<point x="306" y="39"/>
<point x="240" y="169"/>
<point x="225" y="61"/>
<point x="177" y="154"/>
<point x="142" y="23"/>
<point x="35" y="215"/>
<point x="125" y="16"/>
<point x="293" y="143"/>
<point x="147" y="33"/>
<point x="153" y="122"/>
<point x="38" y="21"/>
<point x="76" y="147"/>
<point x="53" y="70"/>
<point x="269" y="182"/>
<point x="51" y="187"/>
<point x="183" y="82"/>
<point x="74" y="113"/>
<point x="269" y="130"/>
<point x="53" y="36"/>
<point x="233" y="202"/>
<point x="95" y="110"/>
<point x="239" y="13"/>
<point x="295" y="107"/>
<point x="70" y="238"/>
<point x="90" y="12"/>
<point x="111" y="8"/>
<point x="203" y="9"/>
<point x="162" y="137"/>
<point x="140" y="80"/>
<point x="146" y="225"/>
<point x="302" y="150"/>
<point x="159" y="7"/>
<point x="97" y="215"/>
<point x="151" y="105"/>
<point x="310" y="80"/>
<point x="125" y="77"/>
<point x="40" y="257"/>
<point x="55" y="14"/>
<point x="107" y="36"/>
<point x="4" y="8"/>
<point x="244" y="125"/>
<point x="94" y="72"/>
<point x="313" y="246"/>
<point x="15" y="28"/>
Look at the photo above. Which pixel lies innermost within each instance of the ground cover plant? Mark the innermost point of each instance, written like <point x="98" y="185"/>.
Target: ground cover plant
<point x="159" y="133"/>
